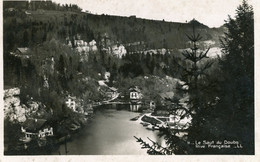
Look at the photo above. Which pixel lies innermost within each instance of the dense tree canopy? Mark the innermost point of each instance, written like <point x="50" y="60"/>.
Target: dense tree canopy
<point x="238" y="87"/>
<point x="229" y="113"/>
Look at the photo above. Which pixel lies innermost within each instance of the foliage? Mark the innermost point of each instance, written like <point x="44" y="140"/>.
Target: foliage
<point x="155" y="148"/>
<point x="237" y="94"/>
<point x="11" y="135"/>
<point x="193" y="74"/>
<point x="140" y="64"/>
<point x="229" y="113"/>
<point x="49" y="20"/>
<point x="221" y="94"/>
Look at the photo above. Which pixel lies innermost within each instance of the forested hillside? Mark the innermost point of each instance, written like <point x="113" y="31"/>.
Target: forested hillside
<point x="32" y="25"/>
<point x="38" y="22"/>
<point x="53" y="52"/>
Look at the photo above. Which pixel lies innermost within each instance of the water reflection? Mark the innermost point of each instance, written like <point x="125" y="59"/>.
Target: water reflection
<point x="111" y="133"/>
<point x="134" y="107"/>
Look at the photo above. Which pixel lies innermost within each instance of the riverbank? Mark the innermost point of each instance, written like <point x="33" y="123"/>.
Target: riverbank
<point x="44" y="146"/>
<point x="108" y="133"/>
<point x="65" y="135"/>
<point x="65" y="131"/>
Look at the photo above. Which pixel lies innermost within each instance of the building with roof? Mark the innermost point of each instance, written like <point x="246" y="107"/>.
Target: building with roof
<point x="71" y="103"/>
<point x="35" y="128"/>
<point x="21" y="52"/>
<point x="109" y="92"/>
<point x="135" y="93"/>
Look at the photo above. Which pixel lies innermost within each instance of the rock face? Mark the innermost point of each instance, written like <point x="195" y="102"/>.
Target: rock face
<point x="13" y="111"/>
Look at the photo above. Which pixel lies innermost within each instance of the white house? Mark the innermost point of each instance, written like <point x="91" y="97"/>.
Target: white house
<point x="35" y="128"/>
<point x="71" y="103"/>
<point x="135" y="93"/>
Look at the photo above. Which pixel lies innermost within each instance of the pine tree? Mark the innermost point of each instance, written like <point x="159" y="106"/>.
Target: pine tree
<point x="237" y="92"/>
<point x="194" y="74"/>
<point x="196" y="104"/>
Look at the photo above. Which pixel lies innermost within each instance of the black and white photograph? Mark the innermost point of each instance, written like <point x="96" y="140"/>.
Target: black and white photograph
<point x="129" y="77"/>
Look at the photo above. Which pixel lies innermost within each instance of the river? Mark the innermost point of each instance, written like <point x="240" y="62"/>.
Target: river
<point x="110" y="132"/>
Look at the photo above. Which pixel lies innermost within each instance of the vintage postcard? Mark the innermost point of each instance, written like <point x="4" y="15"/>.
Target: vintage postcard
<point x="110" y="77"/>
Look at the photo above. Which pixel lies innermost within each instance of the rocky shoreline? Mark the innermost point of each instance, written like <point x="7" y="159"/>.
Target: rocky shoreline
<point x="16" y="114"/>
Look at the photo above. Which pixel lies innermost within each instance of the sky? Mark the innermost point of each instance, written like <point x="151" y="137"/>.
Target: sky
<point x="209" y="12"/>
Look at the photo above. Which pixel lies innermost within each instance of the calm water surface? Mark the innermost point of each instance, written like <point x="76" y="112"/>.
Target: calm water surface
<point x="110" y="133"/>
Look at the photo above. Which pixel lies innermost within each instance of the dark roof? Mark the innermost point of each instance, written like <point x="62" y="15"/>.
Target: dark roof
<point x="23" y="50"/>
<point x="134" y="89"/>
<point x="33" y="125"/>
